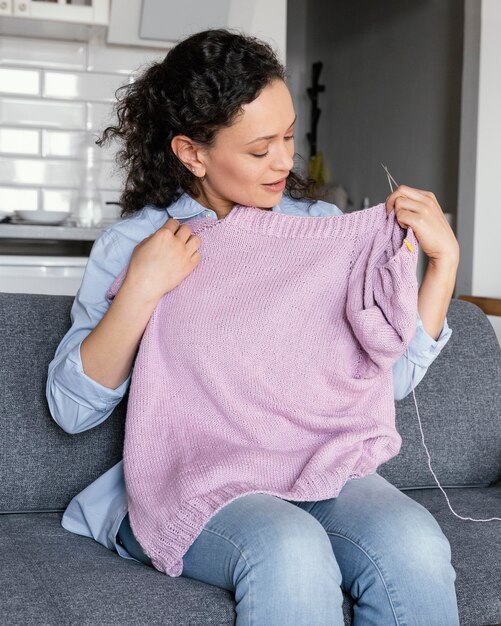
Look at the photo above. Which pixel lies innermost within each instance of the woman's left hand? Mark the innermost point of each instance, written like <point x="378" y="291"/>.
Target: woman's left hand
<point x="421" y="211"/>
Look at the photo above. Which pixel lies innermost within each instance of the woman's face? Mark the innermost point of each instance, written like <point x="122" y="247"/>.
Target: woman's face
<point x="252" y="153"/>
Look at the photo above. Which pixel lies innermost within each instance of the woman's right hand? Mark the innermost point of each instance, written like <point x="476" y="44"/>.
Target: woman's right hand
<point x="163" y="260"/>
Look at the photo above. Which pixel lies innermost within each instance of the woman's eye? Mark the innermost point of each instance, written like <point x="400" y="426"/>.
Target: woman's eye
<point x="263" y="155"/>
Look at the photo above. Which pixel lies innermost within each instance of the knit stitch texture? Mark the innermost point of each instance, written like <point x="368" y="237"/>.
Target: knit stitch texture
<point x="268" y="369"/>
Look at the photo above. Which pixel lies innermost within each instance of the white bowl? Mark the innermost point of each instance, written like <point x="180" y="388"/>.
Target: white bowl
<point x="42" y="217"/>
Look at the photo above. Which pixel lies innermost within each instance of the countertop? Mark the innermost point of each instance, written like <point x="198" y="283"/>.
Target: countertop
<point x="35" y="231"/>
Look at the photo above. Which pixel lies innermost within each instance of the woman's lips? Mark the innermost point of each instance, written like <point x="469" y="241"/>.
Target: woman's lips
<point x="276" y="186"/>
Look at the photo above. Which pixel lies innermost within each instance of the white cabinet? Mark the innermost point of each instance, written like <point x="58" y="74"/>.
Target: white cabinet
<point x="189" y="16"/>
<point x="160" y="23"/>
<point x="76" y="11"/>
<point x="41" y="274"/>
<point x="5" y="7"/>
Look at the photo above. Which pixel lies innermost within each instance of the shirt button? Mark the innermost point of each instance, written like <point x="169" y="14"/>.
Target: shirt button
<point x="315" y="211"/>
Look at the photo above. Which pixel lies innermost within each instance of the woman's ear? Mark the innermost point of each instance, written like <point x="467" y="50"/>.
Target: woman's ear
<point x="188" y="153"/>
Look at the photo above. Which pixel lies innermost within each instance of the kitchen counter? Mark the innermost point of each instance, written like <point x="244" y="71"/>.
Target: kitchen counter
<point x="35" y="231"/>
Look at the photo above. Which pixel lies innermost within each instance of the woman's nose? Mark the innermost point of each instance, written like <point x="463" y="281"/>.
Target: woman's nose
<point x="284" y="160"/>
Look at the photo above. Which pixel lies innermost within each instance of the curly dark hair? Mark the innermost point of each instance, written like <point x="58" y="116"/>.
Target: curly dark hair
<point x="198" y="88"/>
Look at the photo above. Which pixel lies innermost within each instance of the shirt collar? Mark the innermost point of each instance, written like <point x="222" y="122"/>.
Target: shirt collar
<point x="185" y="207"/>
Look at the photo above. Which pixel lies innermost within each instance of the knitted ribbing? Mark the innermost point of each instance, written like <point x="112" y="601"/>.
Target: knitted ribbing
<point x="268" y="369"/>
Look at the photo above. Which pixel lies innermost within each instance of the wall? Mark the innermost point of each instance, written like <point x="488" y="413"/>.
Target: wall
<point x="393" y="76"/>
<point x="54" y="93"/>
<point x="479" y="217"/>
<point x="298" y="77"/>
<point x="392" y="72"/>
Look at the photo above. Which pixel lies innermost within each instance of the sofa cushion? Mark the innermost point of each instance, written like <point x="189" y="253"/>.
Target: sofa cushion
<point x="51" y="576"/>
<point x="42" y="466"/>
<point x="475" y="548"/>
<point x="459" y="403"/>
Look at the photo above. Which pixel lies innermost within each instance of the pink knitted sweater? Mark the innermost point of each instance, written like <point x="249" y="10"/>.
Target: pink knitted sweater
<point x="268" y="369"/>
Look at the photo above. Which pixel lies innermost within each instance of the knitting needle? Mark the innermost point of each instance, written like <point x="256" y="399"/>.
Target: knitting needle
<point x="390" y="179"/>
<point x="387" y="176"/>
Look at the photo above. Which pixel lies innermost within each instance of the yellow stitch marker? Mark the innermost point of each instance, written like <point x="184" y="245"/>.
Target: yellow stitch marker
<point x="408" y="245"/>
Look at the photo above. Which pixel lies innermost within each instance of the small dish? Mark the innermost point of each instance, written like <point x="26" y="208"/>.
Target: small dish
<point x="42" y="217"/>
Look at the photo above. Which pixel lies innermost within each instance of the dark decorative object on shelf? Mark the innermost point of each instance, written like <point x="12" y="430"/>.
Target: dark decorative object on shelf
<point x="313" y="92"/>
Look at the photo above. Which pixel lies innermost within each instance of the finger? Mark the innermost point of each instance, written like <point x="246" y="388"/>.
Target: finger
<point x="407" y="204"/>
<point x="406" y="192"/>
<point x="182" y="231"/>
<point x="397" y="202"/>
<point x="193" y="243"/>
<point x="406" y="218"/>
<point x="171" y="224"/>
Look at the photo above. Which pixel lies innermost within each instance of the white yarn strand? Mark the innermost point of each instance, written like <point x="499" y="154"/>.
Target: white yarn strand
<point x="490" y="519"/>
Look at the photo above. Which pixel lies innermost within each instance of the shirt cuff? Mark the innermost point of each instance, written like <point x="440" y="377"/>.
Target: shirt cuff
<point x="423" y="349"/>
<point x="99" y="396"/>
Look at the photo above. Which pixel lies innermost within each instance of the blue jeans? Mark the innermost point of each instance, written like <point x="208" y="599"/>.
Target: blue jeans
<point x="287" y="562"/>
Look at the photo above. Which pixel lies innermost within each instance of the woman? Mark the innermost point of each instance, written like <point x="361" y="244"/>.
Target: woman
<point x="207" y="128"/>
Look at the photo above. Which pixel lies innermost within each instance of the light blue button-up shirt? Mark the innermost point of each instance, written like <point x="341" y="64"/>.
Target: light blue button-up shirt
<point x="78" y="403"/>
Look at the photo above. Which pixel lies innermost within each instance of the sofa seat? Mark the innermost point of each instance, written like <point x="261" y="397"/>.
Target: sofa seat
<point x="475" y="547"/>
<point x="53" y="577"/>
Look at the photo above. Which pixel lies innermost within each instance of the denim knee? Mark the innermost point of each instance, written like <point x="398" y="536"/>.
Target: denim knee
<point x="432" y="550"/>
<point x="298" y="551"/>
<point x="287" y="574"/>
<point x="427" y="549"/>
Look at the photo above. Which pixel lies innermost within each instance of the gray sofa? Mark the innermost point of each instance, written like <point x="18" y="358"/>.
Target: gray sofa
<point x="50" y="576"/>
